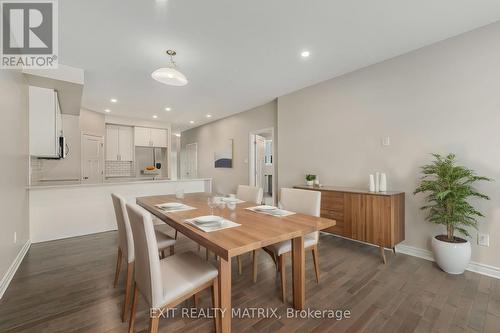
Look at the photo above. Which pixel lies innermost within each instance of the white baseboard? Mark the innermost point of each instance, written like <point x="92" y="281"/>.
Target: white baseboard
<point x="476" y="267"/>
<point x="4" y="283"/>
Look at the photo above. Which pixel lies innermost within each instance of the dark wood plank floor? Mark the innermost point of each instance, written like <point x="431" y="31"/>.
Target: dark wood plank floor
<point x="66" y="286"/>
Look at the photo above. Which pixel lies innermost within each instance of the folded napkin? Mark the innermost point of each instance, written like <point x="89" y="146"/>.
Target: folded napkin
<point x="180" y="208"/>
<point x="224" y="224"/>
<point x="275" y="212"/>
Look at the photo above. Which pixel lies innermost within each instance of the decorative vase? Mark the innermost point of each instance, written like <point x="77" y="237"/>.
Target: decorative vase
<point x="383" y="182"/>
<point x="452" y="258"/>
<point x="372" y="184"/>
<point x="377" y="182"/>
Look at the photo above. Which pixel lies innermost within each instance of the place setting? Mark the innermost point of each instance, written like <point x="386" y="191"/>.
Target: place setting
<point x="271" y="210"/>
<point x="210" y="223"/>
<point x="171" y="207"/>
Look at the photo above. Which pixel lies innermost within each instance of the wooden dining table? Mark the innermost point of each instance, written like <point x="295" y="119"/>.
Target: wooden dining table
<point x="256" y="231"/>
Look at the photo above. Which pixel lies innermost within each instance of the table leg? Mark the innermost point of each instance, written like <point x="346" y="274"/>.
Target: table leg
<point x="298" y="271"/>
<point x="225" y="294"/>
<point x="382" y="254"/>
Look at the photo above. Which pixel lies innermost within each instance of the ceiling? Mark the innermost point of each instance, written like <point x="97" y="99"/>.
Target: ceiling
<point x="240" y="54"/>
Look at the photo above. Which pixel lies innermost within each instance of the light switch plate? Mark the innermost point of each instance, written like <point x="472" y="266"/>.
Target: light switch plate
<point x="483" y="239"/>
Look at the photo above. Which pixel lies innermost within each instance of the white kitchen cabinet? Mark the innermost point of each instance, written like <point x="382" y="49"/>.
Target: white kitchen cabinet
<point x="142" y="136"/>
<point x="119" y="143"/>
<point x="45" y="122"/>
<point x="159" y="137"/>
<point x="150" y="137"/>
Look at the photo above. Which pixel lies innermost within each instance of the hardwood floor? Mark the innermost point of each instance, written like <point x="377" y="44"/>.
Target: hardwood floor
<point x="67" y="286"/>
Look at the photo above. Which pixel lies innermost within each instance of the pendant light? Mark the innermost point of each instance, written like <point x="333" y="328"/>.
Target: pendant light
<point x="170" y="75"/>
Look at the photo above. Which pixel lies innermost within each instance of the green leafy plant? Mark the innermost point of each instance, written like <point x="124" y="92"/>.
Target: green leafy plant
<point x="310" y="178"/>
<point x="449" y="186"/>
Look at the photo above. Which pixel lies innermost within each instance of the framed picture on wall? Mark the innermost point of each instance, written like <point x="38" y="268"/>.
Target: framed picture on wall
<point x="223" y="158"/>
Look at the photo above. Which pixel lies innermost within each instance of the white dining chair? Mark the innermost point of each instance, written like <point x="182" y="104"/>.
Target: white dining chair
<point x="254" y="195"/>
<point x="167" y="282"/>
<point x="304" y="202"/>
<point x="126" y="247"/>
<point x="250" y="193"/>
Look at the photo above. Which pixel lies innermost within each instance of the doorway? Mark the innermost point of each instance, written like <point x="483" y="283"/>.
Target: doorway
<point x="92" y="159"/>
<point x="189" y="161"/>
<point x="262" y="171"/>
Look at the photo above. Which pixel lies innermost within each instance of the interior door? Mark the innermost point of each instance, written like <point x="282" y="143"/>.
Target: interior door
<point x="190" y="161"/>
<point x="92" y="159"/>
<point x="260" y="155"/>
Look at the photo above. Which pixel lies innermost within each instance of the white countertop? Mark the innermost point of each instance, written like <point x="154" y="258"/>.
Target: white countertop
<point x="108" y="182"/>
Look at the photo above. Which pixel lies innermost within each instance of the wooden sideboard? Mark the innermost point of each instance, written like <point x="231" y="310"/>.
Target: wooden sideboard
<point x="375" y="218"/>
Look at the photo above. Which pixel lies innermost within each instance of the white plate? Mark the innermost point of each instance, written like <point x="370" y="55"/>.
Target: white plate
<point x="265" y="208"/>
<point x="208" y="219"/>
<point x="171" y="205"/>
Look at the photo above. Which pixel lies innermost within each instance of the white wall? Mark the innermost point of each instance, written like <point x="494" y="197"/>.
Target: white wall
<point x="442" y="98"/>
<point x="213" y="136"/>
<point x="14" y="164"/>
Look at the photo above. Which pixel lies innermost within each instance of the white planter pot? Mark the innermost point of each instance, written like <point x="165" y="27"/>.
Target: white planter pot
<point x="310" y="182"/>
<point x="453" y="258"/>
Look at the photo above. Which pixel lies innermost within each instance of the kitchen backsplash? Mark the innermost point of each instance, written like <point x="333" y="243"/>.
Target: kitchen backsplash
<point x="119" y="169"/>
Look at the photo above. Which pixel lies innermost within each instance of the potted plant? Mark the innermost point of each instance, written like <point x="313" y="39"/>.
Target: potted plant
<point x="449" y="186"/>
<point x="310" y="180"/>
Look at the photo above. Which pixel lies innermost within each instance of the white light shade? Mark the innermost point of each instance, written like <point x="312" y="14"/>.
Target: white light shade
<point x="169" y="76"/>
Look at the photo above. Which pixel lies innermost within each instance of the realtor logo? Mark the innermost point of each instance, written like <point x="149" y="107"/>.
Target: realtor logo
<point x="29" y="34"/>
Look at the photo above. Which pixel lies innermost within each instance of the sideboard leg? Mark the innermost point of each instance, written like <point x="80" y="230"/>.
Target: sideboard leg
<point x="394" y="250"/>
<point x="382" y="254"/>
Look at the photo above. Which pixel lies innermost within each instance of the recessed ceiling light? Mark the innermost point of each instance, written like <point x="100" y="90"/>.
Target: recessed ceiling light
<point x="305" y="54"/>
<point x="168" y="109"/>
<point x="209" y="116"/>
<point x="107" y="110"/>
<point x="178" y="135"/>
<point x="113" y="100"/>
<point x="191" y="121"/>
<point x="155" y="116"/>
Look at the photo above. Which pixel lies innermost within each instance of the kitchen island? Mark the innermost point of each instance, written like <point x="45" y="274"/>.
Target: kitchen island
<point x="74" y="209"/>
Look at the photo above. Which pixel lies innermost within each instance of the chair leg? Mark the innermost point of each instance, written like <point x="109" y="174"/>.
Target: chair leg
<point x="281" y="264"/>
<point x="118" y="266"/>
<point x="172" y="250"/>
<point x="128" y="287"/>
<point x="254" y="269"/>
<point x="215" y="303"/>
<point x="153" y="324"/>
<point x="162" y="256"/>
<point x="199" y="247"/>
<point x="175" y="237"/>
<point x="316" y="261"/>
<point x="240" y="270"/>
<point x="206" y="253"/>
<point x="135" y="299"/>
